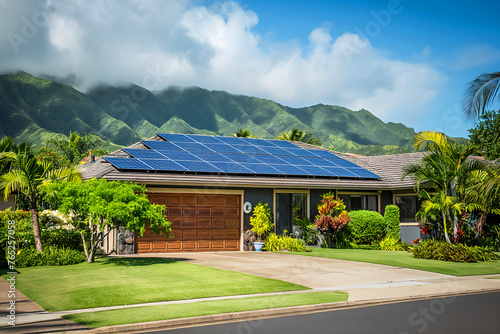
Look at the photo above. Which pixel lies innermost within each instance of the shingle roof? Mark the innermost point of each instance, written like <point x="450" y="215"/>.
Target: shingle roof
<point x="389" y="167"/>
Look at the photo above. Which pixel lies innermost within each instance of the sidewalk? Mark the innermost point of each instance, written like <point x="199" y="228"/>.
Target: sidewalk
<point x="367" y="284"/>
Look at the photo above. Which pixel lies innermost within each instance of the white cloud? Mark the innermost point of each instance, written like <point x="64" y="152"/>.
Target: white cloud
<point x="176" y="42"/>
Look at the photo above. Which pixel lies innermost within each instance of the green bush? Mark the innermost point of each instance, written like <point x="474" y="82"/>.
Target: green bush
<point x="441" y="250"/>
<point x="275" y="243"/>
<point x="51" y="256"/>
<point x="366" y="227"/>
<point x="391" y="218"/>
<point x="391" y="243"/>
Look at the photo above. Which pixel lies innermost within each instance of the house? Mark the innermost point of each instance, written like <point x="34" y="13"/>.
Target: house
<point x="210" y="184"/>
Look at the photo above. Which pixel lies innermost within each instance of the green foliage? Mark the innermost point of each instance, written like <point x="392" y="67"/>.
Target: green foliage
<point x="275" y="243"/>
<point x="440" y="250"/>
<point x="485" y="134"/>
<point x="308" y="230"/>
<point x="299" y="135"/>
<point x="36" y="109"/>
<point x="391" y="218"/>
<point x="76" y="147"/>
<point x="366" y="227"/>
<point x="261" y="220"/>
<point x="331" y="219"/>
<point x="51" y="256"/>
<point x="392" y="243"/>
<point x="97" y="204"/>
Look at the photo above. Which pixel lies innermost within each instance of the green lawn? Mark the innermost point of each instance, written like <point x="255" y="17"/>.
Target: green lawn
<point x="406" y="260"/>
<point x="173" y="311"/>
<point x="124" y="281"/>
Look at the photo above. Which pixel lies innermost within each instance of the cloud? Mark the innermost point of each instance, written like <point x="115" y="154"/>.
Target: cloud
<point x="177" y="42"/>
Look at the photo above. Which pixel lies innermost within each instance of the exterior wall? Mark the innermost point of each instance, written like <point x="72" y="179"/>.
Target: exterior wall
<point x="409" y="232"/>
<point x="254" y="196"/>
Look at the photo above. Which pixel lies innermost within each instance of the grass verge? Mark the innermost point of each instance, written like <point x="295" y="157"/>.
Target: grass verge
<point x="174" y="311"/>
<point x="124" y="281"/>
<point x="406" y="260"/>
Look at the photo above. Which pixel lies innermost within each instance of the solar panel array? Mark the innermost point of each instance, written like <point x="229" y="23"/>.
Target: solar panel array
<point x="233" y="155"/>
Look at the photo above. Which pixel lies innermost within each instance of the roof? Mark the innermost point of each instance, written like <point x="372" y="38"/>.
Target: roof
<point x="388" y="167"/>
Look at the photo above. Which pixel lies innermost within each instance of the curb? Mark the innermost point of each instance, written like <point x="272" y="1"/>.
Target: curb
<point x="262" y="314"/>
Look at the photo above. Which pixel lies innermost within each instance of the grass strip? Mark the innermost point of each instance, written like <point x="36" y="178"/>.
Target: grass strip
<point x="125" y="281"/>
<point x="406" y="260"/>
<point x="174" y="311"/>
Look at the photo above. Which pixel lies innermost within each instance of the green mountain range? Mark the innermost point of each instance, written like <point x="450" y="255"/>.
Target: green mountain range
<point x="36" y="109"/>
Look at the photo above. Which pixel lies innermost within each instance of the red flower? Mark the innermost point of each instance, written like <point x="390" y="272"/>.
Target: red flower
<point x="416" y="241"/>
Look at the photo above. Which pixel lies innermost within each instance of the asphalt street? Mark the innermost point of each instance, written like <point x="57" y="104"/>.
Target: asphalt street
<point x="477" y="313"/>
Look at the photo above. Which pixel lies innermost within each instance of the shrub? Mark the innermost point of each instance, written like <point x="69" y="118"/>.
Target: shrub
<point x="261" y="220"/>
<point x="441" y="250"/>
<point x="391" y="243"/>
<point x="331" y="219"/>
<point x="51" y="256"/>
<point x="391" y="218"/>
<point x="308" y="231"/>
<point x="276" y="243"/>
<point x="366" y="226"/>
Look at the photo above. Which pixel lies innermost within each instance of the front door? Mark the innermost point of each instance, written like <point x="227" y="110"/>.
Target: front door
<point x="289" y="208"/>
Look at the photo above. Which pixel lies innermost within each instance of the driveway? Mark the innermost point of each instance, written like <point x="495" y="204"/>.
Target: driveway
<point x="313" y="272"/>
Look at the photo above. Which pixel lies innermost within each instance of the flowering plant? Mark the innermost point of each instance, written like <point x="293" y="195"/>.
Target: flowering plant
<point x="55" y="220"/>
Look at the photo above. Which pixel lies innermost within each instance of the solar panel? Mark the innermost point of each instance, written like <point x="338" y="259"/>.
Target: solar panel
<point x="361" y="172"/>
<point x="199" y="166"/>
<point x="323" y="154"/>
<point x="269" y="159"/>
<point x="241" y="158"/>
<point x="206" y="139"/>
<point x="224" y="148"/>
<point x="316" y="171"/>
<point x="340" y="172"/>
<point x="250" y="149"/>
<point x="295" y="160"/>
<point x="176" y="137"/>
<point x="320" y="162"/>
<point x="300" y="152"/>
<point x="127" y="163"/>
<point x="284" y="144"/>
<point x="291" y="170"/>
<point x="164" y="165"/>
<point x="179" y="155"/>
<point x="142" y="153"/>
<point x="261" y="142"/>
<point x="261" y="168"/>
<point x="233" y="140"/>
<point x="161" y="145"/>
<point x="276" y="150"/>
<point x="344" y="163"/>
<point x="212" y="157"/>
<point x="232" y="167"/>
<point x="194" y="147"/>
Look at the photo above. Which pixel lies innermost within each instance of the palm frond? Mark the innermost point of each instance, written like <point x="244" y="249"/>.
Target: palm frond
<point x="480" y="93"/>
<point x="437" y="138"/>
<point x="13" y="181"/>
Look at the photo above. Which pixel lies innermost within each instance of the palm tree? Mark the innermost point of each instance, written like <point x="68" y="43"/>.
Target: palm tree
<point x="299" y="135"/>
<point x="440" y="202"/>
<point x="76" y="147"/>
<point x="446" y="167"/>
<point x="8" y="144"/>
<point x="26" y="177"/>
<point x="481" y="93"/>
<point x="244" y="133"/>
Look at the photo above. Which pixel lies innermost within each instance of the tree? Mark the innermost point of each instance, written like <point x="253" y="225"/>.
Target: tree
<point x="75" y="147"/>
<point x="244" y="133"/>
<point x="480" y="93"/>
<point x="447" y="206"/>
<point x="27" y="176"/>
<point x="261" y="220"/>
<point x="299" y="135"/>
<point x="99" y="206"/>
<point x="485" y="134"/>
<point x="446" y="168"/>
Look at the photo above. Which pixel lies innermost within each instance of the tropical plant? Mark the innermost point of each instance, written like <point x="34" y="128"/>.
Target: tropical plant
<point x="480" y="93"/>
<point x="27" y="176"/>
<point x="308" y="230"/>
<point x="366" y="227"/>
<point x="391" y="217"/>
<point x="99" y="206"/>
<point x="299" y="135"/>
<point x="261" y="220"/>
<point x="244" y="133"/>
<point x="331" y="218"/>
<point x="276" y="243"/>
<point x="75" y="147"/>
<point x="392" y="243"/>
<point x="440" y="250"/>
<point x="447" y="206"/>
<point x="485" y="133"/>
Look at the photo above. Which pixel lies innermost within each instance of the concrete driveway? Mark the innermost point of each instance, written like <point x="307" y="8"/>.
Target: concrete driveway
<point x="316" y="273"/>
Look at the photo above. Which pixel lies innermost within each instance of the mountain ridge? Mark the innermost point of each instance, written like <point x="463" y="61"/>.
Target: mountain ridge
<point x="36" y="109"/>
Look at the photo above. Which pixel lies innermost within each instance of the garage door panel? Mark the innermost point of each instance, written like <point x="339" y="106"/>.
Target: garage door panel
<point x="200" y="222"/>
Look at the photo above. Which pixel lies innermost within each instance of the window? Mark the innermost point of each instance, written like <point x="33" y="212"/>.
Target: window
<point x="360" y="202"/>
<point x="289" y="206"/>
<point x="408" y="207"/>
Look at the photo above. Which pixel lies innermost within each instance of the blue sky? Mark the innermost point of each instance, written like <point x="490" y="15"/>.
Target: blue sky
<point x="405" y="61"/>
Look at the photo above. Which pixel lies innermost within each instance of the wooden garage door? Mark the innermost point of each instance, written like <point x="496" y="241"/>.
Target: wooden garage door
<point x="200" y="222"/>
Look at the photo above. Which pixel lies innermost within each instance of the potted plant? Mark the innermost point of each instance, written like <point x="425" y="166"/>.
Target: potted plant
<point x="261" y="223"/>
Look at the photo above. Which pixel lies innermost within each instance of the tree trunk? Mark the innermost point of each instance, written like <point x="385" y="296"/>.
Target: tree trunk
<point x="36" y="227"/>
<point x="446" y="237"/>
